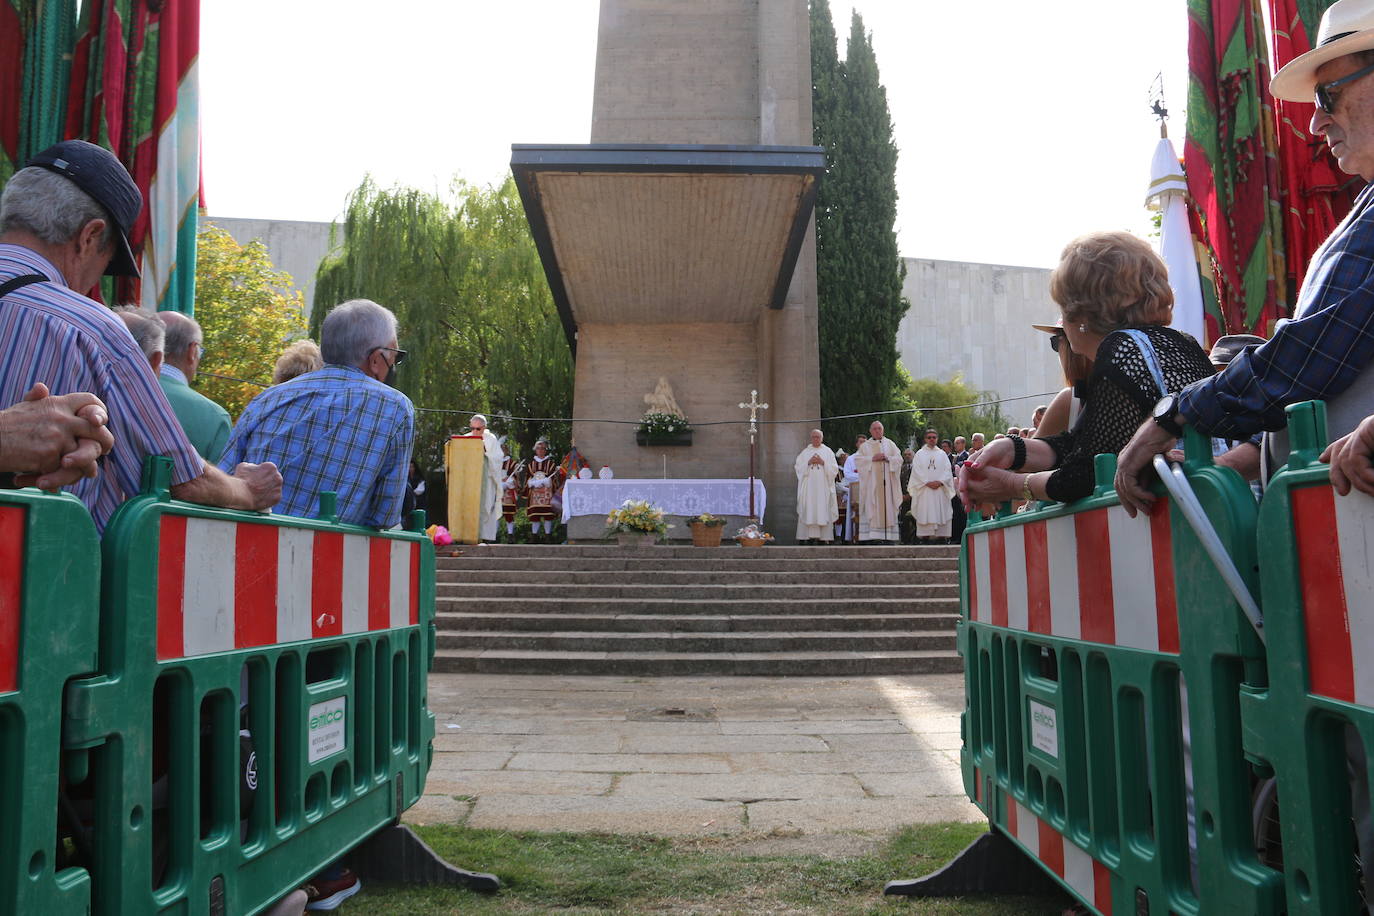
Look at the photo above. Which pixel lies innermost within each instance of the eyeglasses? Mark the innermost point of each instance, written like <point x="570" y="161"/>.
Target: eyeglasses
<point x="1055" y="341"/>
<point x="400" y="354"/>
<point x="1324" y="100"/>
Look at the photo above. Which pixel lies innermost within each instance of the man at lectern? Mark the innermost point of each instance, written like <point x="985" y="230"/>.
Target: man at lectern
<point x="489" y="513"/>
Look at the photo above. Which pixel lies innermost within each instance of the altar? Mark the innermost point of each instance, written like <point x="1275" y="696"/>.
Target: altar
<point x="586" y="502"/>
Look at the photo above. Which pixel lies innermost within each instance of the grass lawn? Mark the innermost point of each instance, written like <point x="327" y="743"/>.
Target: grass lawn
<point x="580" y="873"/>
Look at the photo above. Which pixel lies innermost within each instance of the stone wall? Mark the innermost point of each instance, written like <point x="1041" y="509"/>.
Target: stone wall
<point x="976" y="319"/>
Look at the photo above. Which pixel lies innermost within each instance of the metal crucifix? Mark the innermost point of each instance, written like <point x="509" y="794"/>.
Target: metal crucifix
<point x="753" y="407"/>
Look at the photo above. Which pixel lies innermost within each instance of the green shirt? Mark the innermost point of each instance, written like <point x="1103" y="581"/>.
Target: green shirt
<point x="205" y="422"/>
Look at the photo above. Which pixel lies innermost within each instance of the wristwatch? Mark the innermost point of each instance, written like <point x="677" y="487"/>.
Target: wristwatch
<point x="1166" y="415"/>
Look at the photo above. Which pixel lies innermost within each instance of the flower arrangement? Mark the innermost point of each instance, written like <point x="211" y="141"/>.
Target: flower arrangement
<point x="707" y="519"/>
<point x="636" y="516"/>
<point x="752" y="535"/>
<point x="659" y="423"/>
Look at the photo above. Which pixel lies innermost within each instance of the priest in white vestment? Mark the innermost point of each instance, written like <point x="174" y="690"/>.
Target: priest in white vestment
<point x="817" y="509"/>
<point x="489" y="509"/>
<point x="879" y="465"/>
<point x="932" y="488"/>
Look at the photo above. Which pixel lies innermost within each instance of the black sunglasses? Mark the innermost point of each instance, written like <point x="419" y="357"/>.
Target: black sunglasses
<point x="400" y="354"/>
<point x="1324" y="100"/>
<point x="1055" y="341"/>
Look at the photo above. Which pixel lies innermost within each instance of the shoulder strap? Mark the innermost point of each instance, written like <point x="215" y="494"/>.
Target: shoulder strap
<point x="19" y="283"/>
<point x="1147" y="350"/>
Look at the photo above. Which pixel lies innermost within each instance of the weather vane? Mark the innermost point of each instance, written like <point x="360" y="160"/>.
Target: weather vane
<point x="1157" y="103"/>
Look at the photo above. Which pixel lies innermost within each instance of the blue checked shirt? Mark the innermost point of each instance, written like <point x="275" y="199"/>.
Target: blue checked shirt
<point x="1316" y="355"/>
<point x="334" y="429"/>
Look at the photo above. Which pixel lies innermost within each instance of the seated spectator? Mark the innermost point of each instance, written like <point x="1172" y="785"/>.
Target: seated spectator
<point x="52" y="442"/>
<point x="341" y="428"/>
<point x="1115" y="297"/>
<point x="63" y="223"/>
<point x="301" y="357"/>
<point x="206" y="423"/>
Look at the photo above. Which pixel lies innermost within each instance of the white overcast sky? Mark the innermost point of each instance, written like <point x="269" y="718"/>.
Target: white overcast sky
<point x="1019" y="125"/>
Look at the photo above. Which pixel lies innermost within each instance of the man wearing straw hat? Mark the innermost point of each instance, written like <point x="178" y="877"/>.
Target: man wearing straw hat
<point x="1327" y="350"/>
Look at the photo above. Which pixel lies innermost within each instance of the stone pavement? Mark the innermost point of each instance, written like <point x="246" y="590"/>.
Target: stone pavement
<point x="758" y="756"/>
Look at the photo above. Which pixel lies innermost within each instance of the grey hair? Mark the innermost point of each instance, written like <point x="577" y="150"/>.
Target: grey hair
<point x="182" y="331"/>
<point x="353" y="329"/>
<point x="147" y="328"/>
<point x="301" y="357"/>
<point x="51" y="207"/>
<point x="478" y="416"/>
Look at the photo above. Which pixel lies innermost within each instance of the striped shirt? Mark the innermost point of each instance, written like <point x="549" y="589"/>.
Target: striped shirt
<point x="1316" y="355"/>
<point x="70" y="343"/>
<point x="333" y="429"/>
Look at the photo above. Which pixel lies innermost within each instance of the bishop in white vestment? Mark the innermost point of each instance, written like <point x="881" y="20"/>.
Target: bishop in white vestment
<point x="489" y="511"/>
<point x="817" y="508"/>
<point x="932" y="488"/>
<point x="879" y="464"/>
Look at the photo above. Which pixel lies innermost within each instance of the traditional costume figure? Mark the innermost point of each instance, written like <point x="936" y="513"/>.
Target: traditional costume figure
<point x="510" y="493"/>
<point x="879" y="465"/>
<point x="817" y="508"/>
<point x="489" y="511"/>
<point x="542" y="479"/>
<point x="931" y="489"/>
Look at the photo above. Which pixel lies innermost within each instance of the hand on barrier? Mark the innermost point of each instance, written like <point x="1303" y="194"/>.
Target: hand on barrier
<point x="264" y="483"/>
<point x="1350" y="459"/>
<point x="1131" y="463"/>
<point x="53" y="441"/>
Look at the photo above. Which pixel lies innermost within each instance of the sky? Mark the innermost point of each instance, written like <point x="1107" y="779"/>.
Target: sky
<point x="1019" y="125"/>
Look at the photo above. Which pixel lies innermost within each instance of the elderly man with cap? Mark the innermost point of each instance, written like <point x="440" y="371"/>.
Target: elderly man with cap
<point x="64" y="221"/>
<point x="1327" y="350"/>
<point x="489" y="507"/>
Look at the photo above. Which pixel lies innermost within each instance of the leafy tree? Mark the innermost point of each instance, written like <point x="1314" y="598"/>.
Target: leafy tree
<point x="464" y="279"/>
<point x="858" y="270"/>
<point x="944" y="405"/>
<point x="248" y="310"/>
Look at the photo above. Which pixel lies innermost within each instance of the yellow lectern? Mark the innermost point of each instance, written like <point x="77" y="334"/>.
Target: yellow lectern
<point x="463" y="457"/>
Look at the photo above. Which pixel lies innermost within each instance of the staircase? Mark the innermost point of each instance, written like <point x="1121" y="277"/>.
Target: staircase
<point x="574" y="609"/>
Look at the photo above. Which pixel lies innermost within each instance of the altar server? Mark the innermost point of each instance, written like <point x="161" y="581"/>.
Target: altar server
<point x="817" y="509"/>
<point x="542" y="479"/>
<point x="489" y="509"/>
<point x="931" y="488"/>
<point x="879" y="464"/>
<point x="511" y="472"/>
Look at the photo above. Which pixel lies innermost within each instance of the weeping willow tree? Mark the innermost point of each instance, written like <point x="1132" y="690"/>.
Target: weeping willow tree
<point x="462" y="275"/>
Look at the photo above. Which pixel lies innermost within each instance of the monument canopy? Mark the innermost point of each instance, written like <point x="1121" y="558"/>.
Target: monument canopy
<point x="650" y="234"/>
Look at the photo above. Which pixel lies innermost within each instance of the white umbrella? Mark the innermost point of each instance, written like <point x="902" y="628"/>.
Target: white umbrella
<point x="1167" y="192"/>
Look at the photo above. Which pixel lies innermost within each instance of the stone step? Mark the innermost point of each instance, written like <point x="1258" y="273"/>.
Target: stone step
<point x="559" y="605"/>
<point x="794" y="594"/>
<point x="674" y="576"/>
<point x="466" y="622"/>
<point x="664" y="664"/>
<point x="666" y="551"/>
<point x="665" y="641"/>
<point x="450" y="567"/>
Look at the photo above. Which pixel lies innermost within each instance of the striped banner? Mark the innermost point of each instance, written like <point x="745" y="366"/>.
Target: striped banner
<point x="229" y="585"/>
<point x="1084" y="875"/>
<point x="1099" y="576"/>
<point x="1335" y="541"/>
<point x="11" y="593"/>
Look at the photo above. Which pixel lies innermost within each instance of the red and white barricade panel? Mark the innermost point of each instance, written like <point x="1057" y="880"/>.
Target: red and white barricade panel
<point x="11" y="593"/>
<point x="1098" y="576"/>
<point x="230" y="585"/>
<point x="1089" y="878"/>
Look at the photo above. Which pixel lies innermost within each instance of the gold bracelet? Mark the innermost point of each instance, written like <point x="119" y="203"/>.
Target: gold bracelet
<point x="1025" y="488"/>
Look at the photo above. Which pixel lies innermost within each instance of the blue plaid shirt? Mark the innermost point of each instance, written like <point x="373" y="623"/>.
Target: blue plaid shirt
<point x="334" y="429"/>
<point x="1316" y="355"/>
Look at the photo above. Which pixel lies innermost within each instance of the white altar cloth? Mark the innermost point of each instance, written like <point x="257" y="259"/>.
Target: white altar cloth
<point x="675" y="497"/>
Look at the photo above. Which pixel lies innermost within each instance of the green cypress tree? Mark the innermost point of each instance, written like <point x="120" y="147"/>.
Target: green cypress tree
<point x="858" y="270"/>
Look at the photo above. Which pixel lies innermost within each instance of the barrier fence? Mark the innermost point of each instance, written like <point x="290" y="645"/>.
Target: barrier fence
<point x="242" y="701"/>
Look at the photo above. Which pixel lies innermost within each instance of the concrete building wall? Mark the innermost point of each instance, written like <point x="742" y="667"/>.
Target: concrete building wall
<point x="294" y="246"/>
<point x="976" y="319"/>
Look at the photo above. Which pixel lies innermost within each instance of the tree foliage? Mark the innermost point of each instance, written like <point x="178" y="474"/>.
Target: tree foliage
<point x="463" y="277"/>
<point x="943" y="405"/>
<point x="248" y="310"/>
<point x="858" y="270"/>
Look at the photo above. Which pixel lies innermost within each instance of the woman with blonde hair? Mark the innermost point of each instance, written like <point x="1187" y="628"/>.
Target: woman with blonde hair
<point x="301" y="357"/>
<point x="1113" y="291"/>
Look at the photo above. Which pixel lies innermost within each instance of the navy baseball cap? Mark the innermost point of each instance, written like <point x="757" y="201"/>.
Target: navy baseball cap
<point x="103" y="177"/>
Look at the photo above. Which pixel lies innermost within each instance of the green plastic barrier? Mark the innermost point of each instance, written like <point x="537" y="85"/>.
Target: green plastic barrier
<point x="1096" y="648"/>
<point x="1314" y="722"/>
<point x="49" y="613"/>
<point x="262" y="706"/>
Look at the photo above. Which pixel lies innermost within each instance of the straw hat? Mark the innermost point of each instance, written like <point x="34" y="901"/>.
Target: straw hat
<point x="1050" y="328"/>
<point x="1347" y="26"/>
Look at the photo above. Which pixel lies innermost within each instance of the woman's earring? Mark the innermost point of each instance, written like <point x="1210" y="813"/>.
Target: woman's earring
<point x="1082" y="329"/>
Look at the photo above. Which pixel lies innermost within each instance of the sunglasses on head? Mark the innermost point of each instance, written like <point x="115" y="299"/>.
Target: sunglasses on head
<point x="1323" y="91"/>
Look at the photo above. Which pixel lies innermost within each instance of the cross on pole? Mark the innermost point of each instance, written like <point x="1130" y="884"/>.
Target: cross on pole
<point x="753" y="407"/>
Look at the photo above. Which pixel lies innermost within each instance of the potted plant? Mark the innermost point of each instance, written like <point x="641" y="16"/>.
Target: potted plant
<point x="636" y="523"/>
<point x="706" y="529"/>
<point x="660" y="428"/>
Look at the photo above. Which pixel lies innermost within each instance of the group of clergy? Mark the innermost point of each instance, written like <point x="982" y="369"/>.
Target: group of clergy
<point x="878" y="465"/>
<point x="537" y="482"/>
